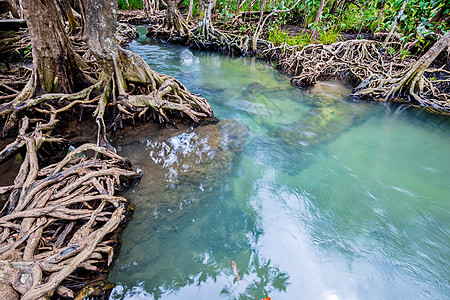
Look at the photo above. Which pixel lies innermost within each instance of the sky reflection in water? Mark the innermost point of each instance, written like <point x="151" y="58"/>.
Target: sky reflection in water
<point x="313" y="195"/>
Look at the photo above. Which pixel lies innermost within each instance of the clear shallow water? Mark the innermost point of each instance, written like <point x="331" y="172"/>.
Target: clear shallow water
<point x="313" y="195"/>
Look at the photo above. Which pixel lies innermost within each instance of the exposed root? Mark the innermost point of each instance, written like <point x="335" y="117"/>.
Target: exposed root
<point x="206" y="37"/>
<point x="379" y="75"/>
<point x="60" y="219"/>
<point x="56" y="218"/>
<point x="125" y="33"/>
<point x="13" y="44"/>
<point x="173" y="27"/>
<point x="137" y="17"/>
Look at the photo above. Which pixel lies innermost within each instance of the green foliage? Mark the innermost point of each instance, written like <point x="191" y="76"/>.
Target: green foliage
<point x="134" y="4"/>
<point x="329" y="36"/>
<point x="27" y="52"/>
<point x="277" y="37"/>
<point x="417" y="15"/>
<point x="195" y="10"/>
<point x="355" y="16"/>
<point x="226" y="15"/>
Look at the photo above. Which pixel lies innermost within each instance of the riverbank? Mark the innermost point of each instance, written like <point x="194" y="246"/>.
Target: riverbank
<point x="376" y="72"/>
<point x="62" y="208"/>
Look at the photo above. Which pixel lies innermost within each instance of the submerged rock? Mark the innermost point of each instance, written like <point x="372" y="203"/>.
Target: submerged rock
<point x="330" y="114"/>
<point x="180" y="168"/>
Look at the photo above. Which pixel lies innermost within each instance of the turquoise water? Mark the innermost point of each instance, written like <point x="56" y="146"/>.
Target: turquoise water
<point x="312" y="194"/>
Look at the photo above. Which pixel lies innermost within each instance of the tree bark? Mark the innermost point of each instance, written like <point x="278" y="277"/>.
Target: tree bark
<point x="440" y="16"/>
<point x="56" y="66"/>
<point x="205" y="25"/>
<point x="380" y="15"/>
<point x="172" y="12"/>
<point x="123" y="68"/>
<point x="68" y="12"/>
<point x="412" y="79"/>
<point x="315" y="32"/>
<point x="191" y="8"/>
<point x="394" y="24"/>
<point x="16" y="8"/>
<point x="100" y="28"/>
<point x="174" y="20"/>
<point x="261" y="10"/>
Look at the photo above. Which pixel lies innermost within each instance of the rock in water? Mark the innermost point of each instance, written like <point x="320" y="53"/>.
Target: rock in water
<point x="187" y="58"/>
<point x="181" y="167"/>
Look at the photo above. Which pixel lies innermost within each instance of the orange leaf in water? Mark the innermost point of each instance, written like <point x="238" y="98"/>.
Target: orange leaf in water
<point x="268" y="298"/>
<point x="235" y="270"/>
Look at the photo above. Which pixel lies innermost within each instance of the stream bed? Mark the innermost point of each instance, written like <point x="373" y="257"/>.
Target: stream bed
<point x="312" y="194"/>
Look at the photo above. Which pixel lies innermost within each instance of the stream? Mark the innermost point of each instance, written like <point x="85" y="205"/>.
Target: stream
<point x="312" y="194"/>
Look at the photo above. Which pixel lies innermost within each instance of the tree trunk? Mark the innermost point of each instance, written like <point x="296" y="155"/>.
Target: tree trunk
<point x="16" y="8"/>
<point x="171" y="13"/>
<point x="380" y="15"/>
<point x="261" y="10"/>
<point x="67" y="10"/>
<point x="174" y="20"/>
<point x="83" y="18"/>
<point x="122" y="68"/>
<point x="412" y="80"/>
<point x="394" y="24"/>
<point x="319" y="12"/>
<point x="334" y="7"/>
<point x="205" y="25"/>
<point x="441" y="16"/>
<point x="191" y="8"/>
<point x="56" y="66"/>
<point x="147" y="8"/>
<point x="174" y="28"/>
<point x="315" y="32"/>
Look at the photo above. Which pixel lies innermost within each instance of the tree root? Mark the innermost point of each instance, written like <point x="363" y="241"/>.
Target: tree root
<point x="13" y="44"/>
<point x="206" y="37"/>
<point x="38" y="246"/>
<point x="56" y="217"/>
<point x="171" y="28"/>
<point x="378" y="74"/>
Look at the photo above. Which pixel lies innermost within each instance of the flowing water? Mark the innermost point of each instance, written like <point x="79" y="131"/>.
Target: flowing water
<point x="313" y="195"/>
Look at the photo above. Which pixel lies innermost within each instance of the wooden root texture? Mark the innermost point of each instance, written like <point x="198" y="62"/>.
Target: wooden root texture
<point x="56" y="219"/>
<point x="58" y="222"/>
<point x="377" y="73"/>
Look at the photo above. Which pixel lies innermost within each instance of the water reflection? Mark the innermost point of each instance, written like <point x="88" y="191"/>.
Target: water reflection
<point x="312" y="194"/>
<point x="188" y="239"/>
